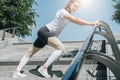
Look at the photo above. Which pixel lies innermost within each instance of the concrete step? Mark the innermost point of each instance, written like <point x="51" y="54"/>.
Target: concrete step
<point x="32" y="74"/>
<point x="11" y="55"/>
<point x="56" y="71"/>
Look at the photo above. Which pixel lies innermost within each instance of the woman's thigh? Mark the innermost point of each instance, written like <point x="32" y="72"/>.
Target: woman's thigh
<point x="55" y="43"/>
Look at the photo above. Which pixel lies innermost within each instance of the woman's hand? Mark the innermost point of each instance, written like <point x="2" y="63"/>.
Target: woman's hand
<point x="96" y="23"/>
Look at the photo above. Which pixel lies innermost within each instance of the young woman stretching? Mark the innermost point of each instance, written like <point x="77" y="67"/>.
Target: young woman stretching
<point x="47" y="35"/>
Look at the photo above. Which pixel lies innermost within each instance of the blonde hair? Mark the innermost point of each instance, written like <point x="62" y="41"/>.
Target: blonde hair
<point x="71" y="2"/>
<point x="74" y="1"/>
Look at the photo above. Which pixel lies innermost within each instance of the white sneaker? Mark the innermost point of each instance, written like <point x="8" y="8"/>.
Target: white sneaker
<point x="44" y="72"/>
<point x="18" y="75"/>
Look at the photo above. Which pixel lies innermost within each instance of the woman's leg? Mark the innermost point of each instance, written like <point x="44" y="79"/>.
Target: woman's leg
<point x="55" y="43"/>
<point x="32" y="50"/>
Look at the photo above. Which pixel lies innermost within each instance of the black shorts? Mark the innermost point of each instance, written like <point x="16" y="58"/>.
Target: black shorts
<point x="42" y="39"/>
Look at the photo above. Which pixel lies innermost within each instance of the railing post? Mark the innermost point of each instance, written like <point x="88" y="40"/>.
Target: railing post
<point x="13" y="33"/>
<point x="3" y="35"/>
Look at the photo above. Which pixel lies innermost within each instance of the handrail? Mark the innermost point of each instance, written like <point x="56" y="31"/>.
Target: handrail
<point x="9" y="28"/>
<point x="4" y="30"/>
<point x="110" y="37"/>
<point x="71" y="73"/>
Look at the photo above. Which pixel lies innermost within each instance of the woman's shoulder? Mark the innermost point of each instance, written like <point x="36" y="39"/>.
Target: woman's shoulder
<point x="63" y="11"/>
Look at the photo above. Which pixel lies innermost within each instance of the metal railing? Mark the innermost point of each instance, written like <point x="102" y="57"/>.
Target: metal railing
<point x="106" y="32"/>
<point x="73" y="70"/>
<point x="4" y="32"/>
<point x="113" y="64"/>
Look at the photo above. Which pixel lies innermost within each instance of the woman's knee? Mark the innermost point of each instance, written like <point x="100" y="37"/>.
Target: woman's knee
<point x="31" y="51"/>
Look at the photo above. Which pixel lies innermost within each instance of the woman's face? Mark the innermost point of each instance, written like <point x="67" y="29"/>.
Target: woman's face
<point x="74" y="6"/>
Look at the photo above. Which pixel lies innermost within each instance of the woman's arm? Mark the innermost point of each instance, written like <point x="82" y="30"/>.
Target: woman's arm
<point x="79" y="21"/>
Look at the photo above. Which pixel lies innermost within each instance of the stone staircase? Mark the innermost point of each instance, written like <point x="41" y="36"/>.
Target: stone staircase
<point x="11" y="55"/>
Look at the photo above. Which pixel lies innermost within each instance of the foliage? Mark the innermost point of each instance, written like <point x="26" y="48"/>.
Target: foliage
<point x="17" y="13"/>
<point x="116" y="15"/>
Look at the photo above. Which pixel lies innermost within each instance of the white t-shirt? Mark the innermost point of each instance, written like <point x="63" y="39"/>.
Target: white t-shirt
<point x="58" y="23"/>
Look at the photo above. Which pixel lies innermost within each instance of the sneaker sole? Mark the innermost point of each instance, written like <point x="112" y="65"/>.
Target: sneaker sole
<point x="43" y="74"/>
<point x="19" y="77"/>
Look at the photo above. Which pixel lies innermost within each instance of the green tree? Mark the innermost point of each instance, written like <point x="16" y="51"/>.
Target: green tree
<point x="17" y="13"/>
<point x="116" y="15"/>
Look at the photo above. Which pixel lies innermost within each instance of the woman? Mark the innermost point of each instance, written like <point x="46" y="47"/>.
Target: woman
<point x="47" y="35"/>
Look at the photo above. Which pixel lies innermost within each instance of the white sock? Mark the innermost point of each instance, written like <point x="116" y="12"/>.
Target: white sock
<point x="54" y="56"/>
<point x="23" y="62"/>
